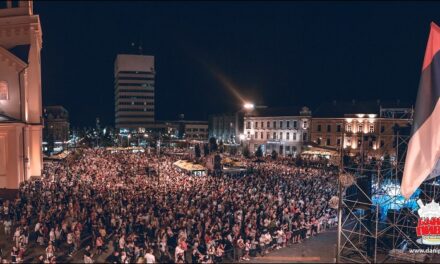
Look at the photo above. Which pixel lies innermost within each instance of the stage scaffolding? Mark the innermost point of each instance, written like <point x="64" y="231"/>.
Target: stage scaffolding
<point x="365" y="233"/>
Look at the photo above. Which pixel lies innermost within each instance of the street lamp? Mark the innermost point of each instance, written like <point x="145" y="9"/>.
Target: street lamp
<point x="128" y="137"/>
<point x="249" y="106"/>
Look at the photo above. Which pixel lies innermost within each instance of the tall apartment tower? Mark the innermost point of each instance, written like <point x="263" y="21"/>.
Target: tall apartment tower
<point x="134" y="92"/>
<point x="21" y="115"/>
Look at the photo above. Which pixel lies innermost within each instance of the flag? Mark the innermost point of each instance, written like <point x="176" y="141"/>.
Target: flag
<point x="424" y="145"/>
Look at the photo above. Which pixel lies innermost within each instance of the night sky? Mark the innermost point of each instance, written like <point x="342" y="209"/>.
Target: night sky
<point x="276" y="54"/>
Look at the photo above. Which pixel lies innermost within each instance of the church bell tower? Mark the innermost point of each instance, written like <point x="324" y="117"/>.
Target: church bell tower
<point x="20" y="94"/>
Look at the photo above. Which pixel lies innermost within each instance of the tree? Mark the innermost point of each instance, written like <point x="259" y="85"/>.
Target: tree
<point x="213" y="144"/>
<point x="246" y="153"/>
<point x="197" y="151"/>
<point x="259" y="152"/>
<point x="205" y="149"/>
<point x="221" y="146"/>
<point x="274" y="155"/>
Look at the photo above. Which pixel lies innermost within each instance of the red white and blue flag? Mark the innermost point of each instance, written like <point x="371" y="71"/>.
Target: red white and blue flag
<point x="424" y="146"/>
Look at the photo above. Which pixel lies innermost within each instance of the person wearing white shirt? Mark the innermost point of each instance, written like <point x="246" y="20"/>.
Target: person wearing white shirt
<point x="149" y="257"/>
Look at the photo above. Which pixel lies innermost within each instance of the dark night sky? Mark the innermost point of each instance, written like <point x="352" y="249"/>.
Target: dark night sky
<point x="276" y="54"/>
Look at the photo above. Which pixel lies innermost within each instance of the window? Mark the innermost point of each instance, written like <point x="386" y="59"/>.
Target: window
<point x="3" y="4"/>
<point x="248" y="125"/>
<point x="287" y="148"/>
<point x="318" y="128"/>
<point x="338" y="128"/>
<point x="382" y="143"/>
<point x="15" y="3"/>
<point x="256" y="124"/>
<point x="328" y="142"/>
<point x="360" y="129"/>
<point x="287" y="136"/>
<point x="256" y="135"/>
<point x="274" y="124"/>
<point x="281" y="124"/>
<point x="4" y="90"/>
<point x="371" y="129"/>
<point x="268" y="124"/>
<point x="274" y="135"/>
<point x="305" y="137"/>
<point x="281" y="135"/>
<point x="318" y="141"/>
<point x="262" y="124"/>
<point x="249" y="135"/>
<point x="295" y="124"/>
<point x="294" y="136"/>
<point x="349" y="128"/>
<point x="382" y="129"/>
<point x="338" y="142"/>
<point x="329" y="128"/>
<point x="305" y="124"/>
<point x="261" y="135"/>
<point x="370" y="144"/>
<point x="287" y="124"/>
<point x="267" y="135"/>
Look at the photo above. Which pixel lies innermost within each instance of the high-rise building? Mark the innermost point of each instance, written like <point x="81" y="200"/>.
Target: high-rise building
<point x="21" y="121"/>
<point x="134" y="92"/>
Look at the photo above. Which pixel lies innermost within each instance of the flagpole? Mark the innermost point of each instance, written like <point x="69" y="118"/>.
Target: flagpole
<point x="341" y="169"/>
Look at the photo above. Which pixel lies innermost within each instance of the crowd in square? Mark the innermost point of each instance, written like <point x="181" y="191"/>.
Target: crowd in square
<point x="106" y="201"/>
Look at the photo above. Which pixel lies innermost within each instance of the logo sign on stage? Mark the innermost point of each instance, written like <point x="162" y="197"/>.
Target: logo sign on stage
<point x="428" y="226"/>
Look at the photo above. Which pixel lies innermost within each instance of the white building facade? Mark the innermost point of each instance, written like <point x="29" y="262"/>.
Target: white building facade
<point x="21" y="120"/>
<point x="134" y="92"/>
<point x="284" y="134"/>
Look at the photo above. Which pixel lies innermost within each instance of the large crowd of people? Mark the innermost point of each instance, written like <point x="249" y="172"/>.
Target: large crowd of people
<point x="137" y="207"/>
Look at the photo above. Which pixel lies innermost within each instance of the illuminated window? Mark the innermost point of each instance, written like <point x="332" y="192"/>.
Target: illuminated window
<point x="349" y="128"/>
<point x="4" y="90"/>
<point x="360" y="128"/>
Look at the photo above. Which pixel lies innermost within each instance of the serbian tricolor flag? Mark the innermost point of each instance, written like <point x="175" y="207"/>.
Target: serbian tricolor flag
<point x="424" y="146"/>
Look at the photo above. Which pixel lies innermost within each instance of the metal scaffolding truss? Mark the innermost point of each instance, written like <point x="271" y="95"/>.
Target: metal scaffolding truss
<point x="365" y="233"/>
<point x="397" y="113"/>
